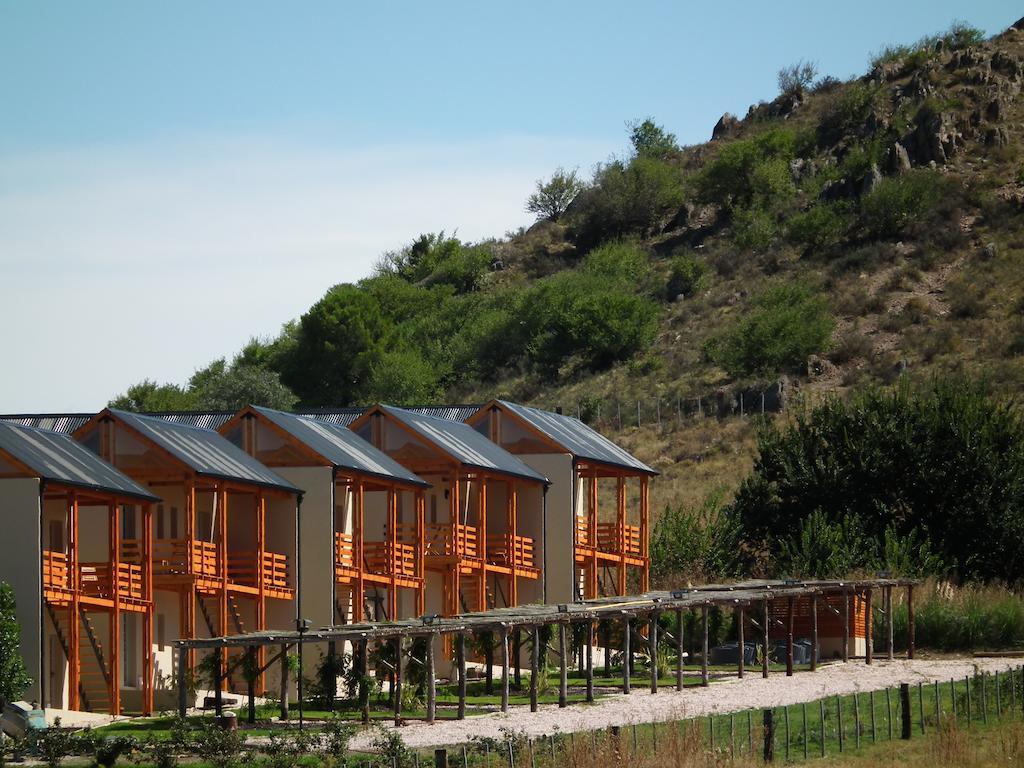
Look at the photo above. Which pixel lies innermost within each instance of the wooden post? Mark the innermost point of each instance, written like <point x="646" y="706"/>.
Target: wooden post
<point x="679" y="649"/>
<point x="905" y="714"/>
<point x="911" y="632"/>
<point x="460" y="659"/>
<point x="398" y="680"/>
<point x="764" y="660"/>
<point x="250" y="684"/>
<point x="182" y="678"/>
<point x="534" y="666"/>
<point x="517" y="643"/>
<point x="789" y="637"/>
<point x="890" y="643"/>
<point x="218" y="685"/>
<point x="364" y="687"/>
<point x="814" y="632"/>
<point x="284" y="682"/>
<point x="147" y="617"/>
<point x="741" y="644"/>
<point x="440" y="758"/>
<point x="590" y="661"/>
<point x="652" y="641"/>
<point x="868" y="643"/>
<point x="769" y="736"/>
<point x="563" y="671"/>
<point x="114" y="661"/>
<point x="846" y="625"/>
<point x="705" y="650"/>
<point x="627" y="653"/>
<point x="503" y="637"/>
<point x="431" y="681"/>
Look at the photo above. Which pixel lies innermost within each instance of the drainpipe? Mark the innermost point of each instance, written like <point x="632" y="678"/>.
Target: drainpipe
<point x="544" y="543"/>
<point x="573" y="581"/>
<point x="333" y="512"/>
<point x="42" y="601"/>
<point x="299" y="622"/>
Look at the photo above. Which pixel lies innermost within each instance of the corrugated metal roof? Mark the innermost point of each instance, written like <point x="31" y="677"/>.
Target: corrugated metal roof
<point x="204" y="450"/>
<point x="63" y="423"/>
<point x="577" y="438"/>
<point x="345" y="416"/>
<point x="341" y="446"/>
<point x="203" y="419"/>
<point x="464" y="443"/>
<point x="58" y="458"/>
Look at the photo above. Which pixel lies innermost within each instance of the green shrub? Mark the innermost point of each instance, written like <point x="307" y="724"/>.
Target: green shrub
<point x="746" y="168"/>
<point x="685" y="275"/>
<point x="218" y="746"/>
<point x="796" y="78"/>
<point x="651" y="140"/>
<point x="788" y="323"/>
<point x="753" y="229"/>
<point x="625" y="199"/>
<point x="845" y="112"/>
<point x="959" y="35"/>
<point x="896" y="202"/>
<point x="14" y="678"/>
<point x="700" y="545"/>
<point x="821" y="227"/>
<point x="939" y="470"/>
<point x="53" y="744"/>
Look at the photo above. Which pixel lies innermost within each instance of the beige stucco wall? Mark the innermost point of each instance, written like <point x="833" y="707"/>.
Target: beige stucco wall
<point x="20" y="566"/>
<point x="556" y="542"/>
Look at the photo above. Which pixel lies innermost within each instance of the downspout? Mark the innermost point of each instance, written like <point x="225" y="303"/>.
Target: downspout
<point x="299" y="624"/>
<point x="42" y="602"/>
<point x="573" y="581"/>
<point x="334" y="501"/>
<point x="544" y="543"/>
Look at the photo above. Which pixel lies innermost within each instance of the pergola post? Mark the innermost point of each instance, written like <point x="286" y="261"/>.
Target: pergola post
<point x="431" y="682"/>
<point x="364" y="688"/>
<point x="397" y="693"/>
<point x="890" y="644"/>
<point x="869" y="650"/>
<point x="627" y="652"/>
<point x="182" y="677"/>
<point x="284" y="682"/>
<point x="218" y="684"/>
<point x="590" y="661"/>
<point x="741" y="644"/>
<point x="250" y="683"/>
<point x="814" y="632"/>
<point x="460" y="660"/>
<point x="563" y="674"/>
<point x="679" y="649"/>
<point x="652" y="640"/>
<point x="517" y="643"/>
<point x="767" y="623"/>
<point x="846" y="625"/>
<point x="503" y="636"/>
<point x="704" y="654"/>
<point x="789" y="636"/>
<point x="534" y="666"/>
<point x="910" y="621"/>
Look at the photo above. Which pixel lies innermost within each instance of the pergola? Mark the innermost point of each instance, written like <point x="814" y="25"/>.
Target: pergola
<point x="635" y="612"/>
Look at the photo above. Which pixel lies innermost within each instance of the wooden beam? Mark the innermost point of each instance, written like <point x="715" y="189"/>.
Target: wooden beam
<point x="503" y="639"/>
<point x="147" y="617"/>
<point x="563" y="667"/>
<point x="115" y="616"/>
<point x="358" y="537"/>
<point x="534" y="665"/>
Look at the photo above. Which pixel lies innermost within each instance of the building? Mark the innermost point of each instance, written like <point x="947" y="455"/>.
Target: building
<point x="224" y="532"/>
<point x="78" y="555"/>
<point x="593" y="546"/>
<point x="484" y="510"/>
<point x="362" y="516"/>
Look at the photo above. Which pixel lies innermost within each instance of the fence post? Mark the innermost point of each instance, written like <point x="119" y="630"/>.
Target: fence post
<point x="856" y="720"/>
<point x="804" y="707"/>
<point x="821" y="719"/>
<point x="440" y="758"/>
<point x="638" y="413"/>
<point x="785" y="713"/>
<point x="871" y="702"/>
<point x="920" y="703"/>
<point x="905" y="710"/>
<point x="769" y="736"/>
<point x="839" y="722"/>
<point x="888" y="711"/>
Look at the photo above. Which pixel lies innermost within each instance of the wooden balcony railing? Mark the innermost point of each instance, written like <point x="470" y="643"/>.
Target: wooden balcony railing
<point x="622" y="540"/>
<point x="344" y="550"/>
<point x="56" y="573"/>
<point x="509" y="550"/>
<point x="583" y="535"/>
<point x="246" y="569"/>
<point x="442" y="541"/>
<point x="181" y="557"/>
<point x="94" y="579"/>
<point x="384" y="558"/>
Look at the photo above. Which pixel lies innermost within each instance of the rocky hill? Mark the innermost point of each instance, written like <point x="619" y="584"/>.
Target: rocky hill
<point x="840" y="235"/>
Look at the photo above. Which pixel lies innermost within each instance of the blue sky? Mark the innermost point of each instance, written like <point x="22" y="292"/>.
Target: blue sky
<point x="177" y="177"/>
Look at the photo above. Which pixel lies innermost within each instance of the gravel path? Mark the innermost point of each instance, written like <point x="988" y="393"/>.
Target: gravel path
<point x="729" y="695"/>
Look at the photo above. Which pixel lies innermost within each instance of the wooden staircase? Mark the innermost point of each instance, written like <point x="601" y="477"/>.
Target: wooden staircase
<point x="469" y="594"/>
<point x="94" y="672"/>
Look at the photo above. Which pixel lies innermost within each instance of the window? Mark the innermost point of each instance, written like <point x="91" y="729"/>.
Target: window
<point x="160" y="521"/>
<point x="56" y="536"/>
<point x="127" y="522"/>
<point x="174" y="522"/>
<point x="433" y="508"/>
<point x="161" y="631"/>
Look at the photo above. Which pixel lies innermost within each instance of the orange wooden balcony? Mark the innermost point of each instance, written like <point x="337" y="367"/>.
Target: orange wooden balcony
<point x="584" y="538"/>
<point x="182" y="557"/>
<point x="510" y="550"/>
<point x="95" y="580"/>
<point x="344" y="552"/>
<point x="247" y="569"/>
<point x="445" y="540"/>
<point x="620" y="540"/>
<point x="384" y="558"/>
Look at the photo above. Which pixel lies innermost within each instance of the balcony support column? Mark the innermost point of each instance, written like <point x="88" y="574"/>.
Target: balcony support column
<point x="220" y="512"/>
<point x="147" y="617"/>
<point x="482" y="543"/>
<point x="358" y="534"/>
<point x="74" y="660"/>
<point x="114" y="662"/>
<point x="620" y="527"/>
<point x="261" y="598"/>
<point x="591" y="585"/>
<point x="392" y="553"/>
<point x="645" y="571"/>
<point x="421" y="553"/>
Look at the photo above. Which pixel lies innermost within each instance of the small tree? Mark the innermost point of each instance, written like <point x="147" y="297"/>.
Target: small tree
<point x="14" y="678"/>
<point x="554" y="195"/>
<point x="651" y="140"/>
<point x="797" y="78"/>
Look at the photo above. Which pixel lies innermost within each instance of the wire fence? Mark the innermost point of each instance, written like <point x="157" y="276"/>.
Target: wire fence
<point x="815" y="729"/>
<point x="673" y="410"/>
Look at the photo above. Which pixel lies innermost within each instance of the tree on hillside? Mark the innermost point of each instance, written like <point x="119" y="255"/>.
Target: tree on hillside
<point x="796" y="78"/>
<point x="929" y="472"/>
<point x="148" y="395"/>
<point x="554" y="195"/>
<point x="651" y="140"/>
<point x="220" y="387"/>
<point x="14" y="678"/>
